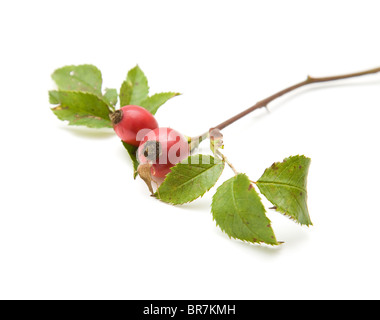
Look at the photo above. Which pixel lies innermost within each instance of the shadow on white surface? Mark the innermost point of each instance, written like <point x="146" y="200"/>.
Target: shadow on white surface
<point x="88" y="133"/>
<point x="267" y="250"/>
<point x="202" y="204"/>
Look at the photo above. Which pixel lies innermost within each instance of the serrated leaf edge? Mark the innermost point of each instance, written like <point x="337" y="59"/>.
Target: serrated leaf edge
<point x="279" y="208"/>
<point x="84" y="93"/>
<point x="173" y="94"/>
<point x="77" y="66"/>
<point x="156" y="194"/>
<point x="243" y="240"/>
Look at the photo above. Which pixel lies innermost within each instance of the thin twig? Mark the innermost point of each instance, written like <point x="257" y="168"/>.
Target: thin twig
<point x="264" y="103"/>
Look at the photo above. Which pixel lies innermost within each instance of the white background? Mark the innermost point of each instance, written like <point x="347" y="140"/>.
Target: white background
<point x="75" y="225"/>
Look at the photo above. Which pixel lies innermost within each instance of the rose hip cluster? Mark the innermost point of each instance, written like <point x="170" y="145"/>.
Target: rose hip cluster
<point x="162" y="148"/>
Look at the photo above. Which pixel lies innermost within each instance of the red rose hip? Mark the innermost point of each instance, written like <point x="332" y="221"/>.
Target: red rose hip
<point x="163" y="148"/>
<point x="128" y="121"/>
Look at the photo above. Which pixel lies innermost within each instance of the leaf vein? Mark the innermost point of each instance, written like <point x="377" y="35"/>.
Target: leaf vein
<point x="282" y="184"/>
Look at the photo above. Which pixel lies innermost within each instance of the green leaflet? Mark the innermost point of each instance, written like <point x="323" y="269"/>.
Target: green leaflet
<point x="135" y="89"/>
<point x="80" y="119"/>
<point x="81" y="102"/>
<point x="110" y="97"/>
<point x="190" y="179"/>
<point x="86" y="78"/>
<point x="54" y="97"/>
<point x="80" y="97"/>
<point x="132" y="153"/>
<point x="238" y="211"/>
<point x="157" y="100"/>
<point x="284" y="185"/>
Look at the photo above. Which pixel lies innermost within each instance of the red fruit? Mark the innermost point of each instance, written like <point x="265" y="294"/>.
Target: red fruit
<point x="163" y="148"/>
<point x="128" y="121"/>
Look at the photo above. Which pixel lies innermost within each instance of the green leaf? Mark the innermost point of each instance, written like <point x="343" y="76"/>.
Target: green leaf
<point x="111" y="97"/>
<point x="132" y="153"/>
<point x="157" y="100"/>
<point x="284" y="185"/>
<point x="81" y="103"/>
<point x="86" y="78"/>
<point x="80" y="118"/>
<point x="54" y="97"/>
<point x="135" y="89"/>
<point x="238" y="211"/>
<point x="190" y="179"/>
